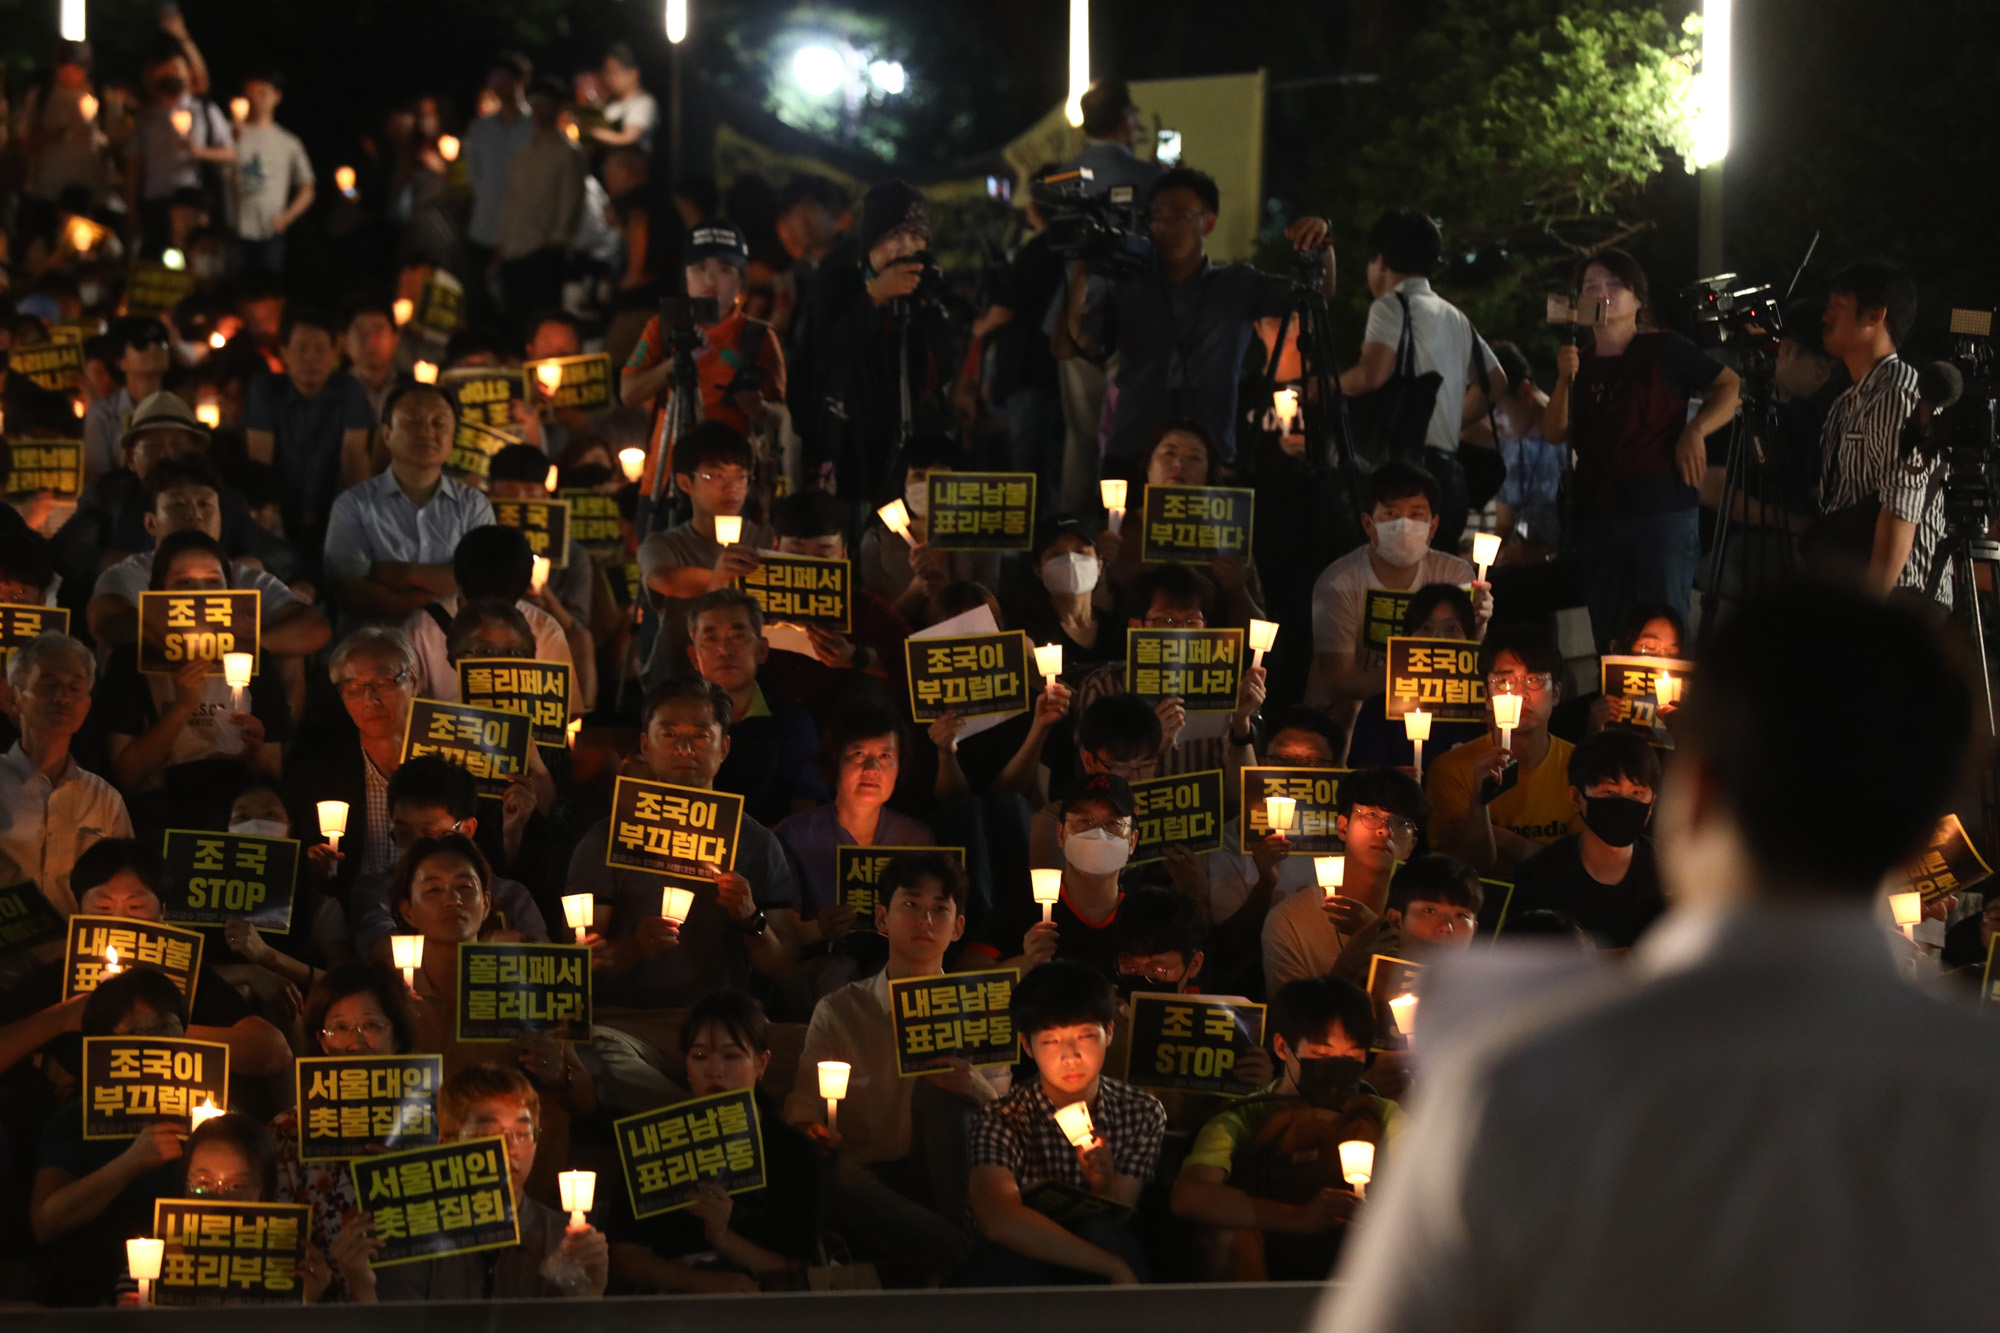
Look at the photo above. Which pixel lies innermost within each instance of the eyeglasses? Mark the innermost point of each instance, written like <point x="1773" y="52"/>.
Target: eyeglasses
<point x="517" y="1137"/>
<point x="373" y="1029"/>
<point x="735" y="477"/>
<point x="1128" y="769"/>
<point x="1375" y="821"/>
<point x="1537" y="683"/>
<point x="1195" y="621"/>
<point x="463" y="892"/>
<point x="354" y="691"/>
<point x="1119" y="825"/>
<point x="212" y="1187"/>
<point x="1167" y="217"/>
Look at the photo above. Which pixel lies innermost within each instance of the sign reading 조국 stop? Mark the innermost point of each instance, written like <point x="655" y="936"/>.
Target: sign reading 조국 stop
<point x="545" y="523"/>
<point x="1192" y="1043"/>
<point x="217" y="876"/>
<point x="20" y="625"/>
<point x="176" y="628"/>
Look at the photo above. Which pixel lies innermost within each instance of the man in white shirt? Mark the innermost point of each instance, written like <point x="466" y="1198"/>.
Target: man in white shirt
<point x="274" y="177"/>
<point x="1759" y="1121"/>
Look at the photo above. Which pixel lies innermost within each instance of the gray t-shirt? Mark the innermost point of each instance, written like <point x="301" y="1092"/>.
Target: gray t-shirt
<point x="1442" y="339"/>
<point x="271" y="167"/>
<point x="130" y="576"/>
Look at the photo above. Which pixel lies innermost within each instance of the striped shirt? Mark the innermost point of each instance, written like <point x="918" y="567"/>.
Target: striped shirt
<point x="1862" y="443"/>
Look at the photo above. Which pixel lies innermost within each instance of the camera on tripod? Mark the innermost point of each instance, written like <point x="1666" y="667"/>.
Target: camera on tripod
<point x="1744" y="321"/>
<point x="1964" y="430"/>
<point x="1105" y="231"/>
<point x="682" y="318"/>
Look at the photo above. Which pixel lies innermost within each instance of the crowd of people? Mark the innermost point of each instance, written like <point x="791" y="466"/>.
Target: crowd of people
<point x="237" y="439"/>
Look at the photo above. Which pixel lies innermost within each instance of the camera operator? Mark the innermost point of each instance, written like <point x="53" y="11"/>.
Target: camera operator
<point x="1021" y="388"/>
<point x="1181" y="328"/>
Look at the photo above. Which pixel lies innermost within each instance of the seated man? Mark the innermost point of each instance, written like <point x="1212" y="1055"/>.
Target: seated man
<point x="713" y="466"/>
<point x="899" y="1158"/>
<point x="1065" y="1012"/>
<point x="575" y="597"/>
<point x="491" y="562"/>
<point x="551" y="1258"/>
<point x="866" y="660"/>
<point x="772" y="740"/>
<point x="1264" y="1178"/>
<point x="1494" y="807"/>
<point x="1097" y="839"/>
<point x="1434" y="904"/>
<point x="1606" y="877"/>
<point x="1378" y="813"/>
<point x="1117" y="734"/>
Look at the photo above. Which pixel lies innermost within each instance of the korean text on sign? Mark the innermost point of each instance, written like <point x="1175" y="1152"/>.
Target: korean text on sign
<point x="1389" y="979"/>
<point x="1949" y="864"/>
<point x="668" y="1151"/>
<point x="41" y="465"/>
<point x="485" y="742"/>
<point x="1632" y="686"/>
<point x="1192" y="1043"/>
<point x="23" y="624"/>
<point x="507" y="989"/>
<point x="472" y="450"/>
<point x="545" y="523"/>
<point x="485" y="396"/>
<point x="964" y="1015"/>
<point x="593" y="521"/>
<point x="585" y="385"/>
<point x="1440" y="676"/>
<point x="972" y="675"/>
<point x="26" y="918"/>
<point x="538" y="691"/>
<point x="222" y="875"/>
<point x="673" y="831"/>
<point x="430" y="1202"/>
<point x="1184" y="810"/>
<point x="982" y="511"/>
<point x="357" y="1105"/>
<point x="155" y="289"/>
<point x="1200" y="667"/>
<point x="176" y="628"/>
<point x="441" y="303"/>
<point x="1383" y="611"/>
<point x="801" y="590"/>
<point x="1315" y="830"/>
<point x="88" y="955"/>
<point x="221" y="1253"/>
<point x="857" y="870"/>
<point x="1196" y="523"/>
<point x="52" y="365"/>
<point x="131" y="1082"/>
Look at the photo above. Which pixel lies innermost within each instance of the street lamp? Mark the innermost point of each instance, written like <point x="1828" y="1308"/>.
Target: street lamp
<point x="677" y="31"/>
<point x="1079" y="58"/>
<point x="70" y="19"/>
<point x="677" y="21"/>
<point x="1711" y="129"/>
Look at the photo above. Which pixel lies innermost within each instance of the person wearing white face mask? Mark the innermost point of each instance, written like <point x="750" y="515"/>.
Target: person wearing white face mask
<point x="1069" y="571"/>
<point x="319" y="936"/>
<point x="1347" y="641"/>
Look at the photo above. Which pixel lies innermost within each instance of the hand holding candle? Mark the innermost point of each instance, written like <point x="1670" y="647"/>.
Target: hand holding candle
<point x="632" y="462"/>
<point x="1908" y="909"/>
<point x="578" y="1191"/>
<point x="1049" y="661"/>
<point x="675" y="904"/>
<point x="1357" y="1164"/>
<point x="539" y="578"/>
<point x="578" y="909"/>
<point x="1331" y="872"/>
<point x="833" y="1075"/>
<point x="1285" y="404"/>
<point x="183" y="121"/>
<point x="404" y="310"/>
<point x="1263" y="634"/>
<point x="333" y="821"/>
<point x="549" y="376"/>
<point x="728" y="529"/>
<point x="424" y="372"/>
<point x="142" y="1261"/>
<point x="239" y="109"/>
<point x="1113" y="492"/>
<point x="1507" y="716"/>
<point x="1404" y="1008"/>
<point x="448" y="147"/>
<point x="1417" y="728"/>
<point x="201" y="1115"/>
<point x="1280" y="812"/>
<point x="407" y="951"/>
<point x="1074" y="1120"/>
<point x="112" y="967"/>
<point x="896" y="516"/>
<point x="1485" y="550"/>
<point x="1047" y="890"/>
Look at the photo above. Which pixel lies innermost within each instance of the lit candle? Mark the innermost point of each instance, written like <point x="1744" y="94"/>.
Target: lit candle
<point x="183" y="122"/>
<point x="1263" y="633"/>
<point x="209" y="415"/>
<point x="217" y="341"/>
<point x="549" y="376"/>
<point x="572" y="132"/>
<point x="343" y="179"/>
<point x="112" y="967"/>
<point x="1048" y="661"/>
<point x="1075" y="1122"/>
<point x="239" y="109"/>
<point x="1417" y="729"/>
<point x="1404" y="1007"/>
<point x="236" y="668"/>
<point x="405" y="310"/>
<point x="1280" y="812"/>
<point x="1357" y="1164"/>
<point x="549" y="482"/>
<point x="833" y="1086"/>
<point x="425" y="372"/>
<point x="173" y="259"/>
<point x="86" y="106"/>
<point x="448" y="147"/>
<point x="1908" y="909"/>
<point x="728" y="529"/>
<point x="142" y="1261"/>
<point x="81" y="236"/>
<point x="1485" y="550"/>
<point x="577" y="910"/>
<point x="1047" y="890"/>
<point x="1332" y="874"/>
<point x="201" y="1115"/>
<point x="407" y="951"/>
<point x="896" y="515"/>
<point x="1285" y="402"/>
<point x="1113" y="492"/>
<point x="538" y="577"/>
<point x="76" y="406"/>
<point x="675" y="904"/>
<point x="631" y="462"/>
<point x="575" y="726"/>
<point x="1666" y="690"/>
<point x="1507" y="716"/>
<point x="333" y="821"/>
<point x="578" y="1191"/>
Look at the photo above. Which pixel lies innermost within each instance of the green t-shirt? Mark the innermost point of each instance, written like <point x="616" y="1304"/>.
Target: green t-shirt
<point x="1216" y="1144"/>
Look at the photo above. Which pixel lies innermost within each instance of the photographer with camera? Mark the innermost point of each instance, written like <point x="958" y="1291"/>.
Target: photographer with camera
<point x="1181" y="327"/>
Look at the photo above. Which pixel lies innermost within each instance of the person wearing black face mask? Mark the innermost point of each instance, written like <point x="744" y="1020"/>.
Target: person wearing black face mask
<point x="1606" y="876"/>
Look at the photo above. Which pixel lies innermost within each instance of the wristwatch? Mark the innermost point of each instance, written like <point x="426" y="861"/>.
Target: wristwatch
<point x="756" y="925"/>
<point x="1249" y="734"/>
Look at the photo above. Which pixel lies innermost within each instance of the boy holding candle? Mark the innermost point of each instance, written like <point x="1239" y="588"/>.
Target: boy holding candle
<point x="1066" y="1013"/>
<point x="1434" y="904"/>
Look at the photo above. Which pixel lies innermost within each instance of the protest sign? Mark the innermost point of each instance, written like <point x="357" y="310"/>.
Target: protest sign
<point x="802" y="590"/>
<point x="357" y="1105"/>
<point x="1383" y="611"/>
<point x="441" y="304"/>
<point x="1200" y="667"/>
<point x="1633" y="686"/>
<point x="673" y="831"/>
<point x="1389" y="979"/>
<point x="1950" y="864"/>
<point x="1183" y="810"/>
<point x="24" y="624"/>
<point x="220" y="875"/>
<point x="545" y="523"/>
<point x="961" y="1015"/>
<point x="1196" y="524"/>
<point x="856" y="870"/>
<point x="972" y="675"/>
<point x="505" y="990"/>
<point x="176" y="628"/>
<point x="666" y="1152"/>
<point x="222" y="1253"/>
<point x="1192" y="1043"/>
<point x="1068" y="1206"/>
<point x="132" y="1082"/>
<point x="585" y="385"/>
<point x="26" y="919"/>
<point x="51" y="365"/>
<point x="472" y="448"/>
<point x="593" y="521"/>
<point x="102" y="946"/>
<point x="155" y="289"/>
<point x="44" y="464"/>
<point x="1439" y="676"/>
<point x="981" y="511"/>
<point x="430" y="1202"/>
<point x="489" y="744"/>
<point x="1315" y="829"/>
<point x="538" y="691"/>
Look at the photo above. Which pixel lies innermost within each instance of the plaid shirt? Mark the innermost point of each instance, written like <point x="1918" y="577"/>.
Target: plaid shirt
<point x="1020" y="1133"/>
<point x="380" y="853"/>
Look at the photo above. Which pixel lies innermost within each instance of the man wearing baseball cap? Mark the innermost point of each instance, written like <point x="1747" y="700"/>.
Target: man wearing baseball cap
<point x="1098" y="836"/>
<point x="738" y="362"/>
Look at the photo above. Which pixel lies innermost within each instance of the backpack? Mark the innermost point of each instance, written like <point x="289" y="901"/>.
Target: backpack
<point x="1394" y="421"/>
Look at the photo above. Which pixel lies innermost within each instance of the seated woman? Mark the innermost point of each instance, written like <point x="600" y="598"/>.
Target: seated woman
<point x="1061" y="605"/>
<point x="177" y="744"/>
<point x="318" y="937"/>
<point x="551" y="1259"/>
<point x="1437" y="611"/>
<point x="233" y="1158"/>
<point x="753" y="1237"/>
<point x="356" y="1009"/>
<point x="1182" y="454"/>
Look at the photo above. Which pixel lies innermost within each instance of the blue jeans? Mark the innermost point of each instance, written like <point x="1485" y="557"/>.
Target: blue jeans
<point x="1634" y="559"/>
<point x="1034" y="422"/>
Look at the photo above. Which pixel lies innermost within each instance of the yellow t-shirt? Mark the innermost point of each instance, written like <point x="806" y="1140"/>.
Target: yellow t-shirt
<point x="1537" y="808"/>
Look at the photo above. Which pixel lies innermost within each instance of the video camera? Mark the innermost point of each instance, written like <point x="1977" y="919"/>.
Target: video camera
<point x="1747" y="321"/>
<point x="1966" y="393"/>
<point x="682" y="318"/>
<point x="1105" y="231"/>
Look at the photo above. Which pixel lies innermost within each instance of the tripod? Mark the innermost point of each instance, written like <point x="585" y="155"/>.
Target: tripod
<point x="1330" y="455"/>
<point x="679" y="409"/>
<point x="1747" y="501"/>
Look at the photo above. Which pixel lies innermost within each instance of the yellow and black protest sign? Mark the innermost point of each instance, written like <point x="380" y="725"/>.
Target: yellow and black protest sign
<point x="132" y="1082"/>
<point x="154" y="289"/>
<point x="1987" y="988"/>
<point x="537" y="690"/>
<point x="972" y="675"/>
<point x="101" y="946"/>
<point x="505" y="990"/>
<point x="472" y="450"/>
<point x="1200" y="667"/>
<point x="803" y="590"/>
<point x="44" y="464"/>
<point x="27" y="921"/>
<point x="1383" y="611"/>
<point x="21" y="625"/>
<point x="54" y="366"/>
<point x="857" y="870"/>
<point x="1184" y="810"/>
<point x="1390" y="980"/>
<point x="485" y="396"/>
<point x="1439" y="676"/>
<point x="1315" y="829"/>
<point x="489" y="744"/>
<point x="430" y="1202"/>
<point x="220" y="1253"/>
<point x="1950" y="864"/>
<point x="545" y="523"/>
<point x="1068" y="1206"/>
<point x="673" y="831"/>
<point x="441" y="304"/>
<point x="1196" y="524"/>
<point x="962" y="1015"/>
<point x="1192" y="1043"/>
<point x="359" y="1105"/>
<point x="668" y="1151"/>
<point x="221" y="875"/>
<point x="593" y="521"/>
<point x="585" y="385"/>
<point x="1633" y="686"/>
<point x="1498" y="903"/>
<point x="981" y="511"/>
<point x="176" y="628"/>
